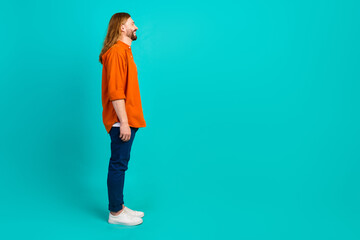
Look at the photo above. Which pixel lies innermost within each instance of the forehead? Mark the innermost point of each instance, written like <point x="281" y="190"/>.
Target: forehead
<point x="130" y="20"/>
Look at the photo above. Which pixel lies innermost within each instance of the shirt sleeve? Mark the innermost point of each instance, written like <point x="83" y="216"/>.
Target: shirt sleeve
<point x="116" y="73"/>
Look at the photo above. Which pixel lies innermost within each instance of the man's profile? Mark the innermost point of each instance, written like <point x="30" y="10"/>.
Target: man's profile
<point x="122" y="111"/>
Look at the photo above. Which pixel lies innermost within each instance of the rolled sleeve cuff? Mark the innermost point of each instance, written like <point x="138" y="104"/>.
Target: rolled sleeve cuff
<point x="116" y="95"/>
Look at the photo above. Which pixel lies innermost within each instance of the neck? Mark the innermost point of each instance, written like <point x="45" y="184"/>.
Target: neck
<point x="126" y="40"/>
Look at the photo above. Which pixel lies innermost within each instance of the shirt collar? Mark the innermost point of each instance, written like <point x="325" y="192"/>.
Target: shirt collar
<point x="121" y="43"/>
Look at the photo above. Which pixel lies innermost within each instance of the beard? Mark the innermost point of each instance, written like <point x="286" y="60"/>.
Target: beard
<point x="131" y="35"/>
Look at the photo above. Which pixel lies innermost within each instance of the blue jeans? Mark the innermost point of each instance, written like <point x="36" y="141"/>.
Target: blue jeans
<point x="120" y="156"/>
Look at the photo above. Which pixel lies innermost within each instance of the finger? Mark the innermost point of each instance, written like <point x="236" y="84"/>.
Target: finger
<point x="122" y="137"/>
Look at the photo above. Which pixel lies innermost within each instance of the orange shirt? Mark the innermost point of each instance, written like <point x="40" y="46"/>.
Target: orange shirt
<point x="120" y="81"/>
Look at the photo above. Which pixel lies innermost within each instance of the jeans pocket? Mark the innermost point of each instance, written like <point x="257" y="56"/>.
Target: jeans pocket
<point x="114" y="131"/>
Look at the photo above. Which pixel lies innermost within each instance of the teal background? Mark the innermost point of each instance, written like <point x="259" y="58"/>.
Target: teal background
<point x="252" y="111"/>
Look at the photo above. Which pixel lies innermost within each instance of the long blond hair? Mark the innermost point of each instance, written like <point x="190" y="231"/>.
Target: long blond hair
<point x="113" y="32"/>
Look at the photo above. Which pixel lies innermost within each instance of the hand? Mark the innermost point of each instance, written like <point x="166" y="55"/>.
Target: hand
<point x="125" y="132"/>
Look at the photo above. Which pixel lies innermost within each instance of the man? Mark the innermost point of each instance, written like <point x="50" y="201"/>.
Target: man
<point x="122" y="111"/>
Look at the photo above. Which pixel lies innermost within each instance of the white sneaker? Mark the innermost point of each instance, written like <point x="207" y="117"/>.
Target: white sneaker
<point x="125" y="218"/>
<point x="133" y="212"/>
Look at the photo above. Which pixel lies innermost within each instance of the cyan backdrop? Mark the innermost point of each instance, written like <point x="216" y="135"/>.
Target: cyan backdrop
<point x="252" y="111"/>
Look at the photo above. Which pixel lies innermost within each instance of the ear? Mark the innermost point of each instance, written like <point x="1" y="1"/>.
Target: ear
<point x="122" y="27"/>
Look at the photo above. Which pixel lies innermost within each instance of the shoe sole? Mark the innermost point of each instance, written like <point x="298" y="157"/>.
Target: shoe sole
<point x="127" y="224"/>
